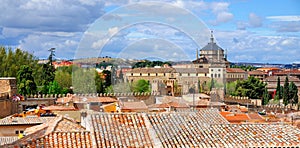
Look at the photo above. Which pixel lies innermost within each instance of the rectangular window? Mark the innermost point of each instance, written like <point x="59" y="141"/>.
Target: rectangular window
<point x="219" y="75"/>
<point x="212" y="75"/>
<point x="17" y="132"/>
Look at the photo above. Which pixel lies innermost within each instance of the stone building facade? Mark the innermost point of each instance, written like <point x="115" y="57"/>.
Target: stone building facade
<point x="8" y="87"/>
<point x="170" y="80"/>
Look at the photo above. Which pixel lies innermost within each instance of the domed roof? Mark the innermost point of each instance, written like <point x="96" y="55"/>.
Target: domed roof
<point x="212" y="45"/>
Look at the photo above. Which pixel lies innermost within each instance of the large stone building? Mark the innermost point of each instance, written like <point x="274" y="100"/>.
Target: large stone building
<point x="211" y="64"/>
<point x="213" y="57"/>
<point x="168" y="80"/>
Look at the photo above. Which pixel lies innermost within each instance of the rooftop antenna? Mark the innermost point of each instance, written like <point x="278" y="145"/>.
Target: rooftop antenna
<point x="211" y="36"/>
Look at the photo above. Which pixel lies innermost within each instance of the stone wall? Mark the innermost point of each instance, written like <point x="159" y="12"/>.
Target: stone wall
<point x="8" y="107"/>
<point x="8" y="85"/>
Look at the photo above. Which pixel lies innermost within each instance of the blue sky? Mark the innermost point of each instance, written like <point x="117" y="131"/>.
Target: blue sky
<point x="251" y="30"/>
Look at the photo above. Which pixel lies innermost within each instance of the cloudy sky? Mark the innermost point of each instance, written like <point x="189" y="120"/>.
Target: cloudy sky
<point x="251" y="30"/>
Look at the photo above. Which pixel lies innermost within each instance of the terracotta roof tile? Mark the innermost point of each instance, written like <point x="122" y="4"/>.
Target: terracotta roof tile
<point x="120" y="130"/>
<point x="60" y="108"/>
<point x="77" y="99"/>
<point x="235" y="117"/>
<point x="24" y="120"/>
<point x="255" y="116"/>
<point x="203" y="128"/>
<point x="7" y="140"/>
<point x="257" y="72"/>
<point x="48" y="133"/>
<point x="133" y="105"/>
<point x="235" y="70"/>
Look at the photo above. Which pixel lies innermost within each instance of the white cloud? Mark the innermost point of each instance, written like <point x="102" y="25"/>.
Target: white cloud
<point x="112" y="31"/>
<point x="218" y="7"/>
<point x="288" y="26"/>
<point x="100" y="43"/>
<point x="284" y="18"/>
<point x="179" y="3"/>
<point x="254" y="20"/>
<point x="224" y="17"/>
<point x="248" y="46"/>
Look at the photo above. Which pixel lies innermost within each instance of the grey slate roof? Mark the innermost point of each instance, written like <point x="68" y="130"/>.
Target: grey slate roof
<point x="211" y="46"/>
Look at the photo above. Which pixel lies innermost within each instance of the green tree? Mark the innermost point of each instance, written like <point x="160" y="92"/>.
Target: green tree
<point x="212" y="84"/>
<point x="84" y="81"/>
<point x="266" y="97"/>
<point x="109" y="89"/>
<point x="99" y="83"/>
<point x="252" y="88"/>
<point x="230" y="88"/>
<point x="293" y="94"/>
<point x="286" y="91"/>
<point x="64" y="79"/>
<point x="278" y="94"/>
<point x="26" y="84"/>
<point x="107" y="79"/>
<point x="141" y="86"/>
<point x="54" y="88"/>
<point x="11" y="61"/>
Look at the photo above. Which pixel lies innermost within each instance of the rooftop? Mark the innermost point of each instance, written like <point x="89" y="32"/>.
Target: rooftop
<point x="77" y="99"/>
<point x="235" y="70"/>
<point x="24" y="120"/>
<point x="202" y="128"/>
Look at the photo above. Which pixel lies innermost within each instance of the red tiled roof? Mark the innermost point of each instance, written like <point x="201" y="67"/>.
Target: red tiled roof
<point x="59" y="108"/>
<point x="206" y="128"/>
<point x="235" y="70"/>
<point x="268" y="68"/>
<point x="25" y="120"/>
<point x="7" y="140"/>
<point x="169" y="104"/>
<point x="255" y="116"/>
<point x="235" y="117"/>
<point x="257" y="72"/>
<point x="120" y="130"/>
<point x="133" y="105"/>
<point x="77" y="99"/>
<point x="297" y="72"/>
<point x="61" y="132"/>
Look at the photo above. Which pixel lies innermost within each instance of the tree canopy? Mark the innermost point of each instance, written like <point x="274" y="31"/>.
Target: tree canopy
<point x="26" y="84"/>
<point x="251" y="87"/>
<point x="12" y="61"/>
<point x="147" y="63"/>
<point x="141" y="86"/>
